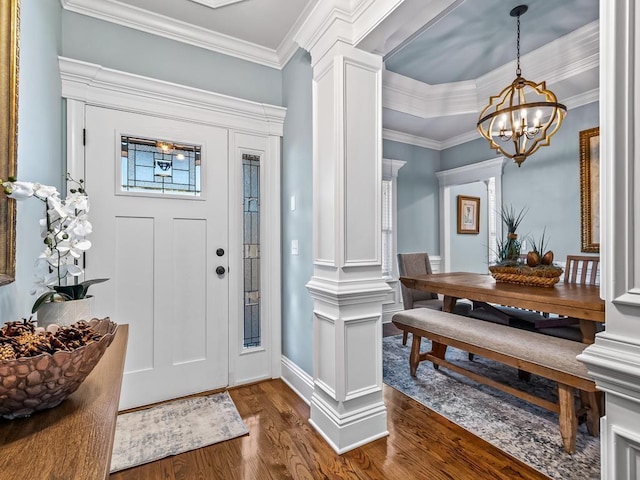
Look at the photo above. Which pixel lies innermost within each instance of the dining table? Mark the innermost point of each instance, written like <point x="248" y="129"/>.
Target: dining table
<point x="578" y="301"/>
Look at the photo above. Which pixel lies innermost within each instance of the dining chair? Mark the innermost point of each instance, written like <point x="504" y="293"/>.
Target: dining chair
<point x="581" y="270"/>
<point x="412" y="264"/>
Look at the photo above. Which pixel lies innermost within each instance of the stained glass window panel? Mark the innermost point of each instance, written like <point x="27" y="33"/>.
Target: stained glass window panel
<point x="160" y="167"/>
<point x="251" y="249"/>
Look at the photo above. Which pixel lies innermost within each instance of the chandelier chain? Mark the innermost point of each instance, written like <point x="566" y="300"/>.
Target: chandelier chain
<point x="518" y="71"/>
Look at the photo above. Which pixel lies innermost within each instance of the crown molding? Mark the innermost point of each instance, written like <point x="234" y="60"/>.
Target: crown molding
<point x="216" y="3"/>
<point x="349" y="21"/>
<point x="132" y="17"/>
<point x="288" y="47"/>
<point x="580" y="53"/>
<point x="401" y="137"/>
<point x="407" y="95"/>
<point x="576" y="101"/>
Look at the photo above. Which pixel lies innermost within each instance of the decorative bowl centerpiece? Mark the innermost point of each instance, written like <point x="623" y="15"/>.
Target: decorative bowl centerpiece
<point x="539" y="276"/>
<point x="533" y="269"/>
<point x="40" y="368"/>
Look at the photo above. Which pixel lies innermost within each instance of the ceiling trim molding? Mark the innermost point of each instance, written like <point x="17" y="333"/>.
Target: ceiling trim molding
<point x="216" y="3"/>
<point x="401" y="137"/>
<point x="583" y="99"/>
<point x="288" y="47"/>
<point x="407" y="95"/>
<point x="139" y="19"/>
<point x="580" y="53"/>
<point x="341" y="20"/>
<point x="460" y="139"/>
<point x="576" y="101"/>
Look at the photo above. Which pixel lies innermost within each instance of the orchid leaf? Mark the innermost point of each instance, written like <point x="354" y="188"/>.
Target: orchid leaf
<point x="79" y="291"/>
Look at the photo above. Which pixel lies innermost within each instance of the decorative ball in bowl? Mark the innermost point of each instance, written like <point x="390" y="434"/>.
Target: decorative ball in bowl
<point x="40" y="368"/>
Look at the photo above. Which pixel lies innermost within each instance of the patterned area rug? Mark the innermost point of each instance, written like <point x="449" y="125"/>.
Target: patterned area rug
<point x="174" y="427"/>
<point x="519" y="428"/>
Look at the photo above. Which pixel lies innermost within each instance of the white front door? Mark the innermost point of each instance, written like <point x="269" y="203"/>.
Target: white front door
<point x="160" y="248"/>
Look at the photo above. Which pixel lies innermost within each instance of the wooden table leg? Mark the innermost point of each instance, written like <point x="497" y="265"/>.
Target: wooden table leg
<point x="588" y="329"/>
<point x="414" y="357"/>
<point x="567" y="417"/>
<point x="449" y="303"/>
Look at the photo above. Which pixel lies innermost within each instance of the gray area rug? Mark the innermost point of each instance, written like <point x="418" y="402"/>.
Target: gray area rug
<point x="174" y="427"/>
<point x="519" y="428"/>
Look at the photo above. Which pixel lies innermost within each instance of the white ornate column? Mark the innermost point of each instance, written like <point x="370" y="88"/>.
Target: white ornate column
<point x="614" y="359"/>
<point x="347" y="285"/>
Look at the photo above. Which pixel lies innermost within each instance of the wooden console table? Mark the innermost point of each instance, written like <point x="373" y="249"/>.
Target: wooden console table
<point x="74" y="439"/>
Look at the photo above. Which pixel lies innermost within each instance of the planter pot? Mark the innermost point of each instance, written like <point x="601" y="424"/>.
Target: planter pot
<point x="65" y="313"/>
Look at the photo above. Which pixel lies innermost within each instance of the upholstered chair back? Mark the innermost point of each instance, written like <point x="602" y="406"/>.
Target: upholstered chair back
<point x="410" y="264"/>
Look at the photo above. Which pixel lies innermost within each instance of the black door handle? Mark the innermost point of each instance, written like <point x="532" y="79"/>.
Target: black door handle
<point x="220" y="270"/>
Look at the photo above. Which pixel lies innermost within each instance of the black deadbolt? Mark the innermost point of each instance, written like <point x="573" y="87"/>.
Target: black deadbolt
<point x="220" y="270"/>
<point x="220" y="252"/>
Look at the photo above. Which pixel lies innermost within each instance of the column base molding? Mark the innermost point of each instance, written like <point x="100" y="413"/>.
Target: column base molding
<point x="347" y="430"/>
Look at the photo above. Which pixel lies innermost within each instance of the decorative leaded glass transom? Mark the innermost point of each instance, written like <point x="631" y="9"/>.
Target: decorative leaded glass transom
<point x="251" y="248"/>
<point x="160" y="167"/>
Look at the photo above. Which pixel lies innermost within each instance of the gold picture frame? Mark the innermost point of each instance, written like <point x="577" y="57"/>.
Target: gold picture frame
<point x="468" y="214"/>
<point x="590" y="189"/>
<point x="9" y="38"/>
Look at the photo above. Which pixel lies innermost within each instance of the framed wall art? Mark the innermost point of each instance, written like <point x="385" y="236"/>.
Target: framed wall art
<point x="9" y="20"/>
<point x="468" y="214"/>
<point x="590" y="189"/>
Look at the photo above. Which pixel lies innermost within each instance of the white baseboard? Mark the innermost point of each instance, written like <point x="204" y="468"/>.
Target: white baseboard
<point x="298" y="380"/>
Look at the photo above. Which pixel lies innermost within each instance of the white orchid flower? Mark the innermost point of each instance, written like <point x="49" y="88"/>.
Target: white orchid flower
<point x="44" y="191"/>
<point x="18" y="190"/>
<point x="43" y="284"/>
<point x="64" y="230"/>
<point x="77" y="202"/>
<point x="55" y="209"/>
<point x="80" y="226"/>
<point x="74" y="270"/>
<point x="74" y="247"/>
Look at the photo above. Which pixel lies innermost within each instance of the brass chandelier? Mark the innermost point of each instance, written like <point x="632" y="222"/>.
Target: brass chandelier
<point x="524" y="116"/>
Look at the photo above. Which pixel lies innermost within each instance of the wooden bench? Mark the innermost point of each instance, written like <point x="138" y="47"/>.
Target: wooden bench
<point x="549" y="357"/>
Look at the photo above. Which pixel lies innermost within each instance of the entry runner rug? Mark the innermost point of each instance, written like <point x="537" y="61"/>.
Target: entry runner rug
<point x="519" y="428"/>
<point x="175" y="427"/>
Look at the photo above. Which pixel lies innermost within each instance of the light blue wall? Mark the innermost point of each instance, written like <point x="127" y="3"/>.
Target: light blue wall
<point x="547" y="183"/>
<point x="471" y="250"/>
<point x="39" y="141"/>
<point x="297" y="173"/>
<point x="418" y="205"/>
<point x="113" y="46"/>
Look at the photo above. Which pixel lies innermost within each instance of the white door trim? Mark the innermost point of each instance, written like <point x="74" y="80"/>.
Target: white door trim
<point x="90" y="84"/>
<point x="477" y="172"/>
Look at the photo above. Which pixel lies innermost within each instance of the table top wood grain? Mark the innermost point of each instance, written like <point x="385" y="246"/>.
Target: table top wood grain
<point x="571" y="300"/>
<point x="72" y="441"/>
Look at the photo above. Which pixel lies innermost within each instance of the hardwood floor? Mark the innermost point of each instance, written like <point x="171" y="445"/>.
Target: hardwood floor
<point x="282" y="445"/>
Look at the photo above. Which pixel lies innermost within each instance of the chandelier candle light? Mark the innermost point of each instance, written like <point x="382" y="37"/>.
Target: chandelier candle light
<point x="524" y="116"/>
